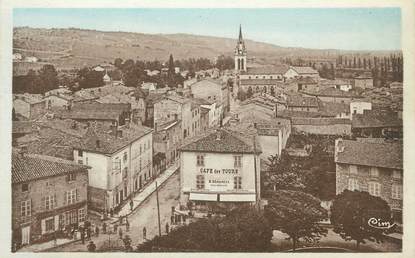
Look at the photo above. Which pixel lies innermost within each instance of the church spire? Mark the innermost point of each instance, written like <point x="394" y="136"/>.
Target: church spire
<point x="240" y="33"/>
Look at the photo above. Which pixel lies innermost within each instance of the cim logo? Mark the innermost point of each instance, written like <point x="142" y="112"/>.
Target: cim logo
<point x="379" y="223"/>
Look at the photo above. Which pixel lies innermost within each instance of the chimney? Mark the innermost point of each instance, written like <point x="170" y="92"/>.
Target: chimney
<point x="97" y="143"/>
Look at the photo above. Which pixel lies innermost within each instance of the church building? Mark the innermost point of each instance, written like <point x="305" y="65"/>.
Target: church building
<point x="256" y="79"/>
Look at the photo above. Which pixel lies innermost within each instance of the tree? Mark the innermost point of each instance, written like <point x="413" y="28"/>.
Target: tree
<point x="244" y="229"/>
<point x="297" y="214"/>
<point x="118" y="63"/>
<point x="49" y="77"/>
<point x="88" y="78"/>
<point x="350" y="214"/>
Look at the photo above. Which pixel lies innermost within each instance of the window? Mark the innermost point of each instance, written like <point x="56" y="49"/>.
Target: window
<point x="80" y="153"/>
<point x="353" y="169"/>
<point x="50" y="202"/>
<point x="81" y="215"/>
<point x="353" y="184"/>
<point x="200" y="182"/>
<point x="125" y="157"/>
<point x="25" y="208"/>
<point x="70" y="177"/>
<point x="50" y="224"/>
<point x="116" y="166"/>
<point x="237" y="182"/>
<point x="237" y="161"/>
<point x="374" y="172"/>
<point x="374" y="188"/>
<point x="200" y="160"/>
<point x="25" y="187"/>
<point x="80" y="162"/>
<point x="71" y="196"/>
<point x="71" y="217"/>
<point x="397" y="192"/>
<point x="396" y="174"/>
<point x="125" y="172"/>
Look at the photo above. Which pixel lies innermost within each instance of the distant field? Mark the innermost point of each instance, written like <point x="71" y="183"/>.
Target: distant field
<point x="75" y="47"/>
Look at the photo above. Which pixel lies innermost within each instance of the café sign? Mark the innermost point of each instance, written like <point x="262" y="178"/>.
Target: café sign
<point x="223" y="171"/>
<point x="219" y="179"/>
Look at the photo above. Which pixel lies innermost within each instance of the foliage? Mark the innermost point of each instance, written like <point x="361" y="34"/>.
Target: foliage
<point x="88" y="78"/>
<point x="297" y="214"/>
<point x="351" y="211"/>
<point x="225" y="62"/>
<point x="240" y="230"/>
<point x="38" y="82"/>
<point x="283" y="174"/>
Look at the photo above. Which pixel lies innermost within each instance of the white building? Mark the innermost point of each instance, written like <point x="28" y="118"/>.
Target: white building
<point x="31" y="59"/>
<point x="120" y="161"/>
<point x="301" y="71"/>
<point x="358" y="107"/>
<point x="220" y="167"/>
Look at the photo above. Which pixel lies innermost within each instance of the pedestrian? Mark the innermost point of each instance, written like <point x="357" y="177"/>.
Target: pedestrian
<point x="131" y="204"/>
<point x="127" y="225"/>
<point x="88" y="233"/>
<point x="115" y="228"/>
<point x="179" y="219"/>
<point x="172" y="219"/>
<point x="91" y="246"/>
<point x="104" y="228"/>
<point x="82" y="230"/>
<point x="144" y="233"/>
<point x="97" y="230"/>
<point x="111" y="212"/>
<point x="167" y="228"/>
<point x="120" y="232"/>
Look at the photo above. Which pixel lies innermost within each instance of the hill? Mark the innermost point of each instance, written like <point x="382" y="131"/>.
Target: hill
<point x="78" y="47"/>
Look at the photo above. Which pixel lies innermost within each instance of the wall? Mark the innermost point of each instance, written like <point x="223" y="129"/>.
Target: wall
<point x="55" y="101"/>
<point x="208" y="90"/>
<point x="363" y="83"/>
<point x="189" y="170"/>
<point x="385" y="179"/>
<point x="56" y="186"/>
<point x="332" y="129"/>
<point x="270" y="145"/>
<point x="21" y="107"/>
<point x="359" y="106"/>
<point x="100" y="167"/>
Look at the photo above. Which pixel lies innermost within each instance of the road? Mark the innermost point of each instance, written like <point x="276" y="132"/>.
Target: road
<point x="144" y="216"/>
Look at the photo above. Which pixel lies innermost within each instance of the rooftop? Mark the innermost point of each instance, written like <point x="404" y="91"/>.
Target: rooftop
<point x="267" y="70"/>
<point x="319" y="121"/>
<point x="106" y="142"/>
<point x="331" y="92"/>
<point x="299" y="101"/>
<point x="95" y="111"/>
<point x="371" y="119"/>
<point x="304" y="70"/>
<point x="222" y="141"/>
<point x="28" y="167"/>
<point x="385" y="155"/>
<point x="259" y="81"/>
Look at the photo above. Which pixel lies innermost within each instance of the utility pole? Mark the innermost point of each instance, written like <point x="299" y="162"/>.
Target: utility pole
<point x="158" y="208"/>
<point x="256" y="179"/>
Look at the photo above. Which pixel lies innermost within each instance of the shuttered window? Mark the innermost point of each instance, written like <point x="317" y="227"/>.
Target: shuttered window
<point x="374" y="188"/>
<point x="397" y="192"/>
<point x="49" y="202"/>
<point x="71" y="196"/>
<point x="237" y="182"/>
<point x="200" y="182"/>
<point x="353" y="184"/>
<point x="26" y="208"/>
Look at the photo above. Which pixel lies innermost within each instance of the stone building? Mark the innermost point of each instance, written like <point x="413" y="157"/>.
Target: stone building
<point x="48" y="194"/>
<point x="167" y="140"/>
<point x="120" y="160"/>
<point x="372" y="166"/>
<point x="29" y="106"/>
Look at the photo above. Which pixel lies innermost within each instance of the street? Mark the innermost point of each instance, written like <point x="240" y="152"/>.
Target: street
<point x="144" y="216"/>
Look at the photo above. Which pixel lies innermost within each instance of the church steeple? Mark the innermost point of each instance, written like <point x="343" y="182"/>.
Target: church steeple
<point x="240" y="53"/>
<point x="240" y="33"/>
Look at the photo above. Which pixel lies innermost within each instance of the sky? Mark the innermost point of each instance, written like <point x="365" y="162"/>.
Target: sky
<point x="337" y="28"/>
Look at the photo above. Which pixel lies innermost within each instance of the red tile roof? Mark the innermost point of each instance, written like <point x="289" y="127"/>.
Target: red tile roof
<point x="228" y="142"/>
<point x="28" y="167"/>
<point x="385" y="155"/>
